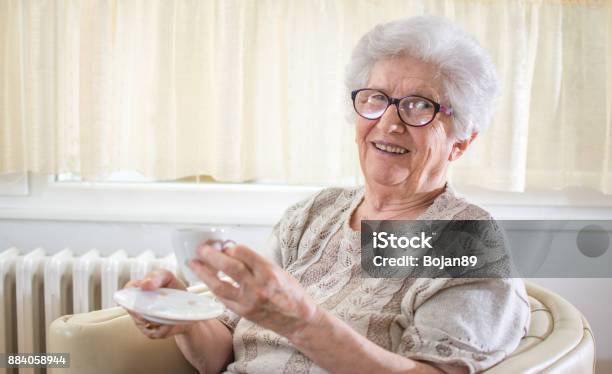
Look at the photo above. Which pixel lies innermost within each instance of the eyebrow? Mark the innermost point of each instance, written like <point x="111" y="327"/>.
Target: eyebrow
<point x="415" y="92"/>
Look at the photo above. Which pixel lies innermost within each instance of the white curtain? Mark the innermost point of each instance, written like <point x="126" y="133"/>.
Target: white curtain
<point x="253" y="90"/>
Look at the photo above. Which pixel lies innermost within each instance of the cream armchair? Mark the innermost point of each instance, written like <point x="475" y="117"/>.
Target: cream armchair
<point x="106" y="341"/>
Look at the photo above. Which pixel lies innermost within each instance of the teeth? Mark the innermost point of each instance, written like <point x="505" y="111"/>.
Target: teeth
<point x="391" y="149"/>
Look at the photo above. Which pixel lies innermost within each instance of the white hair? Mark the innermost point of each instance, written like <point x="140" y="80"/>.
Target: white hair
<point x="469" y="79"/>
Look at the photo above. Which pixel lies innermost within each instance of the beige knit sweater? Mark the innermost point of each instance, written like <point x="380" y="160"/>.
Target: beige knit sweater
<point x="471" y="322"/>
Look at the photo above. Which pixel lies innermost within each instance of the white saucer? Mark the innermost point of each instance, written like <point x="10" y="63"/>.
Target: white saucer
<point x="168" y="305"/>
<point x="164" y="321"/>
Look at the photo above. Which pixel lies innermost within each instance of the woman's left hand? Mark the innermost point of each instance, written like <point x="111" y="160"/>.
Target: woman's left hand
<point x="267" y="294"/>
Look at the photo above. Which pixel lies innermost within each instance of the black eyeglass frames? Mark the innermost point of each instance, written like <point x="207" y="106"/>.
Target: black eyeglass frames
<point x="413" y="110"/>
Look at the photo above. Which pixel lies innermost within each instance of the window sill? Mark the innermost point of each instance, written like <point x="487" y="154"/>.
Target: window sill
<point x="248" y="204"/>
<point x="205" y="203"/>
<point x="14" y="184"/>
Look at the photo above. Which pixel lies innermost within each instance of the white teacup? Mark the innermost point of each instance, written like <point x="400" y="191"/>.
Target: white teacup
<point x="186" y="242"/>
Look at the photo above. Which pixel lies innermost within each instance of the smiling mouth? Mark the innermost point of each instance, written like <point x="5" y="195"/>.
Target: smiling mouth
<point x="389" y="149"/>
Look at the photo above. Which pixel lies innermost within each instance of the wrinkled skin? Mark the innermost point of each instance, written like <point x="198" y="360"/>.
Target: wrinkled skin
<point x="268" y="295"/>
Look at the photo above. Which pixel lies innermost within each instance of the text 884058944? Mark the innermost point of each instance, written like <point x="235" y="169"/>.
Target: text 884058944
<point x="34" y="360"/>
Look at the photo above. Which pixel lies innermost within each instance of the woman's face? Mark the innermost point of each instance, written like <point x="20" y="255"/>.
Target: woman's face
<point x="428" y="149"/>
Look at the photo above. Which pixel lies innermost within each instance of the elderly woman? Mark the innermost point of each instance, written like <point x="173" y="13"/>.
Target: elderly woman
<point x="422" y="90"/>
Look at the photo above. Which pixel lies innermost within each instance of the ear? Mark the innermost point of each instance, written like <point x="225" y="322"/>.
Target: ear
<point x="460" y="147"/>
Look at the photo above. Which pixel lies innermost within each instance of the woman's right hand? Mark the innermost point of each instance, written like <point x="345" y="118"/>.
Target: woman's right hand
<point x="160" y="278"/>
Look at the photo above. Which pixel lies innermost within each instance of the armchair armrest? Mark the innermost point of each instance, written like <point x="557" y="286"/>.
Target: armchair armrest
<point x="107" y="341"/>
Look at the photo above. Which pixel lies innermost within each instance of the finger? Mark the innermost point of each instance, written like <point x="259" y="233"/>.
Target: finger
<point x="160" y="332"/>
<point x="244" y="254"/>
<point x="155" y="331"/>
<point x="233" y="267"/>
<point x="216" y="272"/>
<point x="215" y="285"/>
<point x="152" y="325"/>
<point x="133" y="283"/>
<point x="207" y="266"/>
<point x="214" y="243"/>
<point x="159" y="278"/>
<point x="228" y="244"/>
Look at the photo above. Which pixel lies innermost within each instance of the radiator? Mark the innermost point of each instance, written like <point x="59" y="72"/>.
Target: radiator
<point x="36" y="288"/>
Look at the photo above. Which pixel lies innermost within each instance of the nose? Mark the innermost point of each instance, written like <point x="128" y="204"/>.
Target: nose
<point x="390" y="121"/>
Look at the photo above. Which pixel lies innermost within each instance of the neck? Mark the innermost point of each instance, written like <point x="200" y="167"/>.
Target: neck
<point x="388" y="202"/>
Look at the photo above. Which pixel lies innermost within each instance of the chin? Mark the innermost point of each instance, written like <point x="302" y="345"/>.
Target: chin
<point x="387" y="178"/>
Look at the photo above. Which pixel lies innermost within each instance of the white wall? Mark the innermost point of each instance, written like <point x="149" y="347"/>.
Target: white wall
<point x="107" y="237"/>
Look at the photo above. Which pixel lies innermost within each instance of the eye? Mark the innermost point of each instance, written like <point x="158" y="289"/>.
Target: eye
<point x="415" y="104"/>
<point x="377" y="97"/>
<point x="420" y="104"/>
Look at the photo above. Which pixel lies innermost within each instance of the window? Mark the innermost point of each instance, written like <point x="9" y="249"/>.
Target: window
<point x="157" y="90"/>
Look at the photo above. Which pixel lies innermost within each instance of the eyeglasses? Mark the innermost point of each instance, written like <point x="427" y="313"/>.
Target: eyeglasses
<point x="413" y="110"/>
